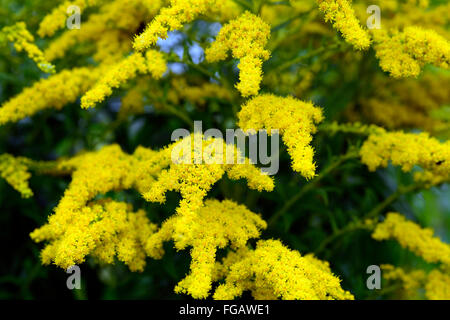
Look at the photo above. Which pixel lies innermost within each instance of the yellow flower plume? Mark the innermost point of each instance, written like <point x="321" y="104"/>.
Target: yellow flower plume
<point x="24" y="41"/>
<point x="153" y="63"/>
<point x="295" y="121"/>
<point x="246" y="38"/>
<point x="272" y="271"/>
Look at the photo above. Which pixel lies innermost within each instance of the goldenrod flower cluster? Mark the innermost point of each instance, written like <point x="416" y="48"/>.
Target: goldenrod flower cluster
<point x="273" y="271"/>
<point x="435" y="283"/>
<point x="342" y="15"/>
<point x="295" y="121"/>
<point x="408" y="150"/>
<point x="15" y="172"/>
<point x="104" y="229"/>
<point x="110" y="169"/>
<point x="153" y="63"/>
<point x="193" y="173"/>
<point x="412" y="34"/>
<point x="411" y="281"/>
<point x="403" y="54"/>
<point x="246" y="38"/>
<point x="24" y="41"/>
<point x="437" y="286"/>
<point x="54" y="92"/>
<point x="411" y="236"/>
<point x="171" y="18"/>
<point x="422" y="242"/>
<point x="216" y="225"/>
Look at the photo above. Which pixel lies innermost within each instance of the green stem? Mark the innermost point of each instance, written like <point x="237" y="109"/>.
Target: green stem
<point x="181" y="115"/>
<point x="202" y="70"/>
<point x="349" y="228"/>
<point x="370" y="215"/>
<point x="335" y="164"/>
<point x="306" y="56"/>
<point x="392" y="198"/>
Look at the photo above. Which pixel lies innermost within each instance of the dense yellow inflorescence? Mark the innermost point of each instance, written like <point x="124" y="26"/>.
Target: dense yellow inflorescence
<point x="110" y="169"/>
<point x="54" y="92"/>
<point x="408" y="150"/>
<point x="24" y="41"/>
<point x="404" y="53"/>
<point x="411" y="281"/>
<point x="342" y="15"/>
<point x="15" y="172"/>
<point x="217" y="225"/>
<point x="197" y="165"/>
<point x="171" y="18"/>
<point x="272" y="271"/>
<point x="104" y="229"/>
<point x="411" y="236"/>
<point x="246" y="38"/>
<point x="435" y="284"/>
<point x="422" y="242"/>
<point x="295" y="121"/>
<point x="153" y="63"/>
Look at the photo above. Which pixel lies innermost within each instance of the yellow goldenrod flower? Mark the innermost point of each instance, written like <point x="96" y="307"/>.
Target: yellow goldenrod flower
<point x="171" y="18"/>
<point x="54" y="92"/>
<point x="411" y="236"/>
<point x="427" y="46"/>
<point x="272" y="271"/>
<point x="403" y="54"/>
<point x="407" y="150"/>
<point x="342" y="15"/>
<point x="411" y="281"/>
<point x="295" y="121"/>
<point x="103" y="229"/>
<point x="109" y="169"/>
<point x="15" y="172"/>
<point x="24" y="41"/>
<point x="437" y="286"/>
<point x="216" y="225"/>
<point x="195" y="171"/>
<point x="153" y="63"/>
<point x="246" y="38"/>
